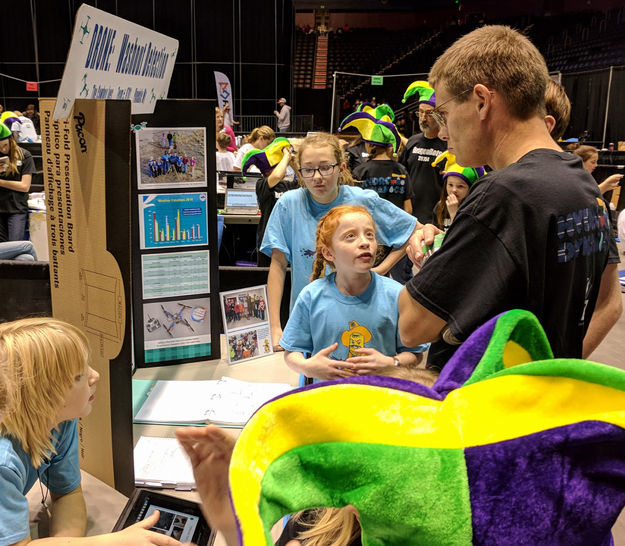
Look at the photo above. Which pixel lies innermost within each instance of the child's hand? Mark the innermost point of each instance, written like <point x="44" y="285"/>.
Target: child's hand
<point x="610" y="183"/>
<point x="370" y="361"/>
<point x="452" y="205"/>
<point x="322" y="366"/>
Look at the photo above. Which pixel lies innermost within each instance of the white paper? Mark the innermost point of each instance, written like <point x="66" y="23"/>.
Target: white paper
<point x="162" y="462"/>
<point x="227" y="401"/>
<point x="177" y="402"/>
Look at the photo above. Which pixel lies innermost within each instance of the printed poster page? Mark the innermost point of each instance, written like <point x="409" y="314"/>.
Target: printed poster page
<point x="176" y="329"/>
<point x="246" y="323"/>
<point x="175" y="274"/>
<point x="173" y="220"/>
<point x="171" y="157"/>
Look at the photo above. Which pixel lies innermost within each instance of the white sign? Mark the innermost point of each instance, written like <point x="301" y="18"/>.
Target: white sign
<point x="111" y="58"/>
<point x="224" y="96"/>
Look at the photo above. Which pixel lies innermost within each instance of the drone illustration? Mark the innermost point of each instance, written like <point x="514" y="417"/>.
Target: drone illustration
<point x="176" y="318"/>
<point x="152" y="324"/>
<point x="85" y="29"/>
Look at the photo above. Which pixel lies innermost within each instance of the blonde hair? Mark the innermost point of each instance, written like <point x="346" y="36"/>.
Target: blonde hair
<point x="224" y="139"/>
<point x="264" y="131"/>
<point x="15" y="154"/>
<point x="321" y="140"/>
<point x="557" y="105"/>
<point x="325" y="230"/>
<point x="43" y="356"/>
<point x="500" y="58"/>
<point x="336" y="526"/>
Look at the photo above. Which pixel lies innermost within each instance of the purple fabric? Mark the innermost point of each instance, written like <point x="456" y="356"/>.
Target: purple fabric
<point x="568" y="483"/>
<point x="460" y="366"/>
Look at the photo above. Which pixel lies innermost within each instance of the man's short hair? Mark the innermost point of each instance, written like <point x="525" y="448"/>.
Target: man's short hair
<point x="499" y="58"/>
<point x="558" y="106"/>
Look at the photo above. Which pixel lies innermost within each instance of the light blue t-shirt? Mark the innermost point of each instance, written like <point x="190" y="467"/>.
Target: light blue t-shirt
<point x="293" y="223"/>
<point x="324" y="315"/>
<point x="60" y="473"/>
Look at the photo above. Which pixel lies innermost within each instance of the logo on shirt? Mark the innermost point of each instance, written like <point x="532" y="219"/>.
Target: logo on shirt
<point x="583" y="232"/>
<point x="355" y="338"/>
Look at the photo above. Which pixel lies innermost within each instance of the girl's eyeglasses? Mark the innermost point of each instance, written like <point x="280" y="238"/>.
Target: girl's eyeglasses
<point x="323" y="170"/>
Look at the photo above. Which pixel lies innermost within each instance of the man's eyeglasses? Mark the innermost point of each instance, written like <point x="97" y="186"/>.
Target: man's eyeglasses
<point x="323" y="170"/>
<point x="441" y="117"/>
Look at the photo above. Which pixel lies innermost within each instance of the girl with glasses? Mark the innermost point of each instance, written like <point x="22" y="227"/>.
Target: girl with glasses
<point x="290" y="234"/>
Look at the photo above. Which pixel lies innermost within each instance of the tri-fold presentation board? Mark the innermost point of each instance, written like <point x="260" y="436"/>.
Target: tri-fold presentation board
<point x="174" y="234"/>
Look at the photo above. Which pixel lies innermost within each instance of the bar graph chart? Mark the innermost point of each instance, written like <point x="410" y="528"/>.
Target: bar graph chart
<point x="173" y="220"/>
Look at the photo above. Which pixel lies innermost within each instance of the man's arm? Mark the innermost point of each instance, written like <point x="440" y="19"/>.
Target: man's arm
<point x="417" y="325"/>
<point x="607" y="310"/>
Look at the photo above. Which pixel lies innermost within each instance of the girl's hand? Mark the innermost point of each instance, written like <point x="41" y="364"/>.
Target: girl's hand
<point x="452" y="205"/>
<point x="276" y="335"/>
<point x="322" y="366"/>
<point x="610" y="183"/>
<point x="369" y="361"/>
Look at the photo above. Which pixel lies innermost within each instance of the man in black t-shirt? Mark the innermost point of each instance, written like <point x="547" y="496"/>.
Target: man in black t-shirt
<point x="425" y="182"/>
<point x="533" y="233"/>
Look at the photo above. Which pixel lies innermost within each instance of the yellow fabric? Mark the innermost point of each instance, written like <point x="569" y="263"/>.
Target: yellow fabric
<point x="514" y="354"/>
<point x="398" y="418"/>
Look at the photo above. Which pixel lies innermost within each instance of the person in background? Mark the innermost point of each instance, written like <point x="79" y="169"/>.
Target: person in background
<point x="609" y="305"/>
<point x="221" y="128"/>
<point x="284" y="116"/>
<point x="457" y="181"/>
<point x="224" y="157"/>
<point x="16" y="170"/>
<point x="259" y="138"/>
<point x="425" y="182"/>
<point x="32" y="114"/>
<point x="278" y="177"/>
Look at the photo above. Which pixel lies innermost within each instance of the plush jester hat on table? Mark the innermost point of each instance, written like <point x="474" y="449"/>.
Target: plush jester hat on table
<point x="510" y="446"/>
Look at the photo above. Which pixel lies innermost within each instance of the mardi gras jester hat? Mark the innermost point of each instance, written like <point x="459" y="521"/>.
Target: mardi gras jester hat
<point x="380" y="131"/>
<point x="382" y="112"/>
<point x="510" y="446"/>
<point x="267" y="158"/>
<point x="468" y="174"/>
<point x="423" y="89"/>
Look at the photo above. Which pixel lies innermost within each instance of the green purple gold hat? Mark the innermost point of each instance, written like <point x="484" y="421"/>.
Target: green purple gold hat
<point x="469" y="174"/>
<point x="423" y="89"/>
<point x="380" y="131"/>
<point x="267" y="158"/>
<point x="5" y="132"/>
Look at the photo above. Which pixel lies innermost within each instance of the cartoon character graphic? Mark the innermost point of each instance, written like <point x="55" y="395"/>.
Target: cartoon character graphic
<point x="355" y="338"/>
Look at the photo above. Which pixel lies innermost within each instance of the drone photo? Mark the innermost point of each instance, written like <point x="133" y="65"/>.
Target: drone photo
<point x="176" y="323"/>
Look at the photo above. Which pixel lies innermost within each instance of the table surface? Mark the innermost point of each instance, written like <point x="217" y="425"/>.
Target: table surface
<point x="104" y="504"/>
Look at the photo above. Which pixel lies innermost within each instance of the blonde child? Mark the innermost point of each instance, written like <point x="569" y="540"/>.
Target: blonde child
<point x="224" y="157"/>
<point x="290" y="233"/>
<point x="48" y="384"/>
<point x="348" y="319"/>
